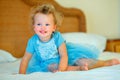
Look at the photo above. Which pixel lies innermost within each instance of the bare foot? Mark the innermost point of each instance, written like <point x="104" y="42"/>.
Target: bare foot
<point x="84" y="67"/>
<point x="112" y="62"/>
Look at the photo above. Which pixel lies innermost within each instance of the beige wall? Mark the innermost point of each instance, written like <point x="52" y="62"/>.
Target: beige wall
<point x="102" y="15"/>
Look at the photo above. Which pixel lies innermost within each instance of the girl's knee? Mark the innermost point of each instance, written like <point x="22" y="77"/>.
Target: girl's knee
<point x="53" y="67"/>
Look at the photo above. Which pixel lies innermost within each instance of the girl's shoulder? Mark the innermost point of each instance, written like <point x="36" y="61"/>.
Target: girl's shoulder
<point x="56" y="34"/>
<point x="34" y="37"/>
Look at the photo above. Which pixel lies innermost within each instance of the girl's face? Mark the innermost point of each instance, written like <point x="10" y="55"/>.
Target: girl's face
<point x="44" y="26"/>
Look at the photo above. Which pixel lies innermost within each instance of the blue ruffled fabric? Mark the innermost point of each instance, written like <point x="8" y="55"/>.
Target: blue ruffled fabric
<point x="77" y="51"/>
<point x="38" y="65"/>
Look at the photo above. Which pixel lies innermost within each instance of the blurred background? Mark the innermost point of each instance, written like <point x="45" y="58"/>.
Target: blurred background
<point x="102" y="16"/>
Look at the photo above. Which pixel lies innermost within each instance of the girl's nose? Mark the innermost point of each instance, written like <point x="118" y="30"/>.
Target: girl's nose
<point x="43" y="27"/>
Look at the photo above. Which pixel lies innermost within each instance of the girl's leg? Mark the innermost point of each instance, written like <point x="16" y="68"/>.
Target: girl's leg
<point x="86" y="64"/>
<point x="92" y="63"/>
<point x="77" y="68"/>
<point x="53" y="67"/>
<point x="101" y="63"/>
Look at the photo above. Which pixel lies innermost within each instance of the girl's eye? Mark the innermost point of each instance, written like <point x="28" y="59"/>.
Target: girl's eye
<point x="47" y="24"/>
<point x="39" y="24"/>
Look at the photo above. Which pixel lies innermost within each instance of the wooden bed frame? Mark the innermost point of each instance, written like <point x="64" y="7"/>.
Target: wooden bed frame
<point x="14" y="33"/>
<point x="15" y="38"/>
<point x="15" y="28"/>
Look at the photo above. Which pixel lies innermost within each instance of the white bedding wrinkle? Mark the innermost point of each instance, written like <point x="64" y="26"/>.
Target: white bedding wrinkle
<point x="109" y="55"/>
<point x="6" y="56"/>
<point x="10" y="67"/>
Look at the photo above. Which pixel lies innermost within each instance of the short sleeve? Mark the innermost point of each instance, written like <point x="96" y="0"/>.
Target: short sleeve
<point x="30" y="47"/>
<point x="58" y="38"/>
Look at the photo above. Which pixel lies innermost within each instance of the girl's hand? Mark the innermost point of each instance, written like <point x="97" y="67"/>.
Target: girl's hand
<point x="56" y="71"/>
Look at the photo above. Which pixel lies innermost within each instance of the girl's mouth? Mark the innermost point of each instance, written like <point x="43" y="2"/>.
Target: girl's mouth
<point x="43" y="32"/>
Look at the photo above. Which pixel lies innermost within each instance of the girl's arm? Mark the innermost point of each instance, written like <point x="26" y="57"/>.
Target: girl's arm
<point x="24" y="63"/>
<point x="63" y="58"/>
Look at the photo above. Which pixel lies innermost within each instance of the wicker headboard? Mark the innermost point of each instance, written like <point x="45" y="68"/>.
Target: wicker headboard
<point x="13" y="38"/>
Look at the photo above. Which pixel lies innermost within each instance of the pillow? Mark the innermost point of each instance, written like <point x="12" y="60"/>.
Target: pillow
<point x="95" y="40"/>
<point x="6" y="56"/>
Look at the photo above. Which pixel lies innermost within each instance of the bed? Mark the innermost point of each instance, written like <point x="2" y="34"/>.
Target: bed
<point x="73" y="29"/>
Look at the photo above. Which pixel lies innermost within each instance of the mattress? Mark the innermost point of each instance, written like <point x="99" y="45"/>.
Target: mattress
<point x="9" y="71"/>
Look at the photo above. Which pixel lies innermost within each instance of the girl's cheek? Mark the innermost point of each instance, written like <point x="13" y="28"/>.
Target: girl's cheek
<point x="35" y="29"/>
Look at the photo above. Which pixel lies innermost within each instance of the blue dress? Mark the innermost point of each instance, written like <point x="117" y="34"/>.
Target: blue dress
<point x="46" y="53"/>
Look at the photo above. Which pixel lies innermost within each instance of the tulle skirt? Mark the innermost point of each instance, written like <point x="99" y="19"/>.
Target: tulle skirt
<point x="74" y="51"/>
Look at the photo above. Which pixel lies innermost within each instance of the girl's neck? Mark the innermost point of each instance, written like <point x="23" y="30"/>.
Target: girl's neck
<point x="45" y="39"/>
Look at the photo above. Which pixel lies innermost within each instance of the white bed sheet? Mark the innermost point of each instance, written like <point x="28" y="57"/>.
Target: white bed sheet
<point x="9" y="71"/>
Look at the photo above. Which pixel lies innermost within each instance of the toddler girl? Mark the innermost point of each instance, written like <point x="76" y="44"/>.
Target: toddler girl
<point x="47" y="50"/>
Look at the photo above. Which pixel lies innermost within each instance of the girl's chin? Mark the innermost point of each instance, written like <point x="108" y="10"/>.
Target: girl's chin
<point x="43" y="35"/>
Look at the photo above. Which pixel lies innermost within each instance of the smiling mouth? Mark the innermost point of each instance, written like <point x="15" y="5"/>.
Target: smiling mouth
<point x="43" y="32"/>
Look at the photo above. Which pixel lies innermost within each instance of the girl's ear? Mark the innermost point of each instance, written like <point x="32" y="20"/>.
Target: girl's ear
<point x="54" y="28"/>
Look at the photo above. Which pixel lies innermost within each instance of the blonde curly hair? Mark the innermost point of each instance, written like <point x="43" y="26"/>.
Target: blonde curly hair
<point x="46" y="9"/>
